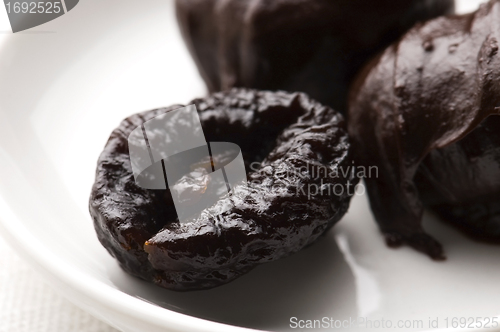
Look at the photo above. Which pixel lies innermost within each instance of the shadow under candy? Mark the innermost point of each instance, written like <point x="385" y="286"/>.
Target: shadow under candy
<point x="311" y="284"/>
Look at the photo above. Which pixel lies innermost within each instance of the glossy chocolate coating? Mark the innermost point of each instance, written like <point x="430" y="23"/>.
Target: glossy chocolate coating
<point x="419" y="112"/>
<point x="461" y="182"/>
<point x="313" y="46"/>
<point x="290" y="136"/>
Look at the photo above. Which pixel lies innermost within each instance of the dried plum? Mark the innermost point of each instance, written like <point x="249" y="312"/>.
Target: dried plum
<point x="426" y="113"/>
<point x="287" y="141"/>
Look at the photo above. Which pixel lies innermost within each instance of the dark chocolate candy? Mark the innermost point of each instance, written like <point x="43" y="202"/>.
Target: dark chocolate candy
<point x="425" y="113"/>
<point x="313" y="46"/>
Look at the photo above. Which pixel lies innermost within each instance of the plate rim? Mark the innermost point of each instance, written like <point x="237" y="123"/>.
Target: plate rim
<point x="49" y="264"/>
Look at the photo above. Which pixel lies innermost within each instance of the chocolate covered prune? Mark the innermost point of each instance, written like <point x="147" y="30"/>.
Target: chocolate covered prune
<point x="425" y="112"/>
<point x="293" y="149"/>
<point x="313" y="46"/>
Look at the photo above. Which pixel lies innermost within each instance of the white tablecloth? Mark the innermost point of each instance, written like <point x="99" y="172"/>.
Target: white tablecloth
<point x="28" y="304"/>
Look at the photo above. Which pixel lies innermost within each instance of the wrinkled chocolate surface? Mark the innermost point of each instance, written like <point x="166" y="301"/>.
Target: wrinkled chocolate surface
<point x="288" y="142"/>
<point x="425" y="113"/>
<point x="313" y="46"/>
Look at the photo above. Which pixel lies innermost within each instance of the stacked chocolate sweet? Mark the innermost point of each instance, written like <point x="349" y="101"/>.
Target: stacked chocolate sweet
<point x="425" y="112"/>
<point x="313" y="46"/>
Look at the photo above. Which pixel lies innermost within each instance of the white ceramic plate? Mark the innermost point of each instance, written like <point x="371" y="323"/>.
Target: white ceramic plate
<point x="65" y="85"/>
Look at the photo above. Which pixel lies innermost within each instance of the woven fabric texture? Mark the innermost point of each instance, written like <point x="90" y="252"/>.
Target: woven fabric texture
<point x="28" y="304"/>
